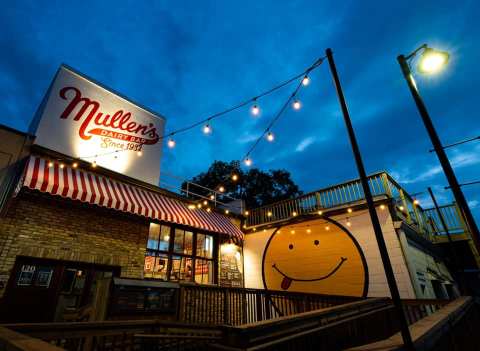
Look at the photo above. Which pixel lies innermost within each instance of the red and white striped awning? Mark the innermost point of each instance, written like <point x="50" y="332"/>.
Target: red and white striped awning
<point x="77" y="184"/>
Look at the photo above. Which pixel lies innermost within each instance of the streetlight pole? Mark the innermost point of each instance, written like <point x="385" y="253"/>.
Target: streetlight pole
<point x="439" y="149"/>
<point x="392" y="284"/>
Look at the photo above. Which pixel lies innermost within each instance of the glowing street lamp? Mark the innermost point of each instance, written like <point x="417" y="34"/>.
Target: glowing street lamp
<point x="432" y="61"/>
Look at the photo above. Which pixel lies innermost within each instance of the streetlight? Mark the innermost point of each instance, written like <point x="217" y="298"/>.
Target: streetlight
<point x="377" y="229"/>
<point x="432" y="61"/>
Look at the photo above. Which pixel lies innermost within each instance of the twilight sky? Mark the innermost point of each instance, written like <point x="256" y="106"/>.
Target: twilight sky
<point x="189" y="59"/>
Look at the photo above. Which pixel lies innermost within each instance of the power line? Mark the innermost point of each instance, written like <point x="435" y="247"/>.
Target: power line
<point x="458" y="143"/>
<point x="465" y="184"/>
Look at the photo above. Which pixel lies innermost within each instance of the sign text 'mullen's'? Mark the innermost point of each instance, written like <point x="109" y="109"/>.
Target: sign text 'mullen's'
<point x="144" y="134"/>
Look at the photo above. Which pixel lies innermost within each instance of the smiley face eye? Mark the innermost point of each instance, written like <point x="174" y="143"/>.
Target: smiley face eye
<point x="290" y="246"/>
<point x="316" y="242"/>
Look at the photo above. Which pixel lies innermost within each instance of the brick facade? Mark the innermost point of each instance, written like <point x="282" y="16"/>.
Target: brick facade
<point x="46" y="226"/>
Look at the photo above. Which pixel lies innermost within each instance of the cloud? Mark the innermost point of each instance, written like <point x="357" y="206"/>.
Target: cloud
<point x="473" y="203"/>
<point x="304" y="144"/>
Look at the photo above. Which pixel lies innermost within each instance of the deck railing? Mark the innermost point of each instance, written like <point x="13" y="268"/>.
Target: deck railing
<point x="351" y="192"/>
<point x="236" y="306"/>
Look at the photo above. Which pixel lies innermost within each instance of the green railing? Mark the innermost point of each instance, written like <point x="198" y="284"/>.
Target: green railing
<point x="381" y="184"/>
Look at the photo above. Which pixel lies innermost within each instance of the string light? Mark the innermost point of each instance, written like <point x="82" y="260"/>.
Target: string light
<point x="139" y="153"/>
<point x="270" y="136"/>
<point x="94" y="164"/>
<point x="349" y="210"/>
<point x="320" y="213"/>
<point x="269" y="214"/>
<point x="292" y="232"/>
<point x="234" y="177"/>
<point x="327" y="227"/>
<point x="294" y="214"/>
<point x="309" y="231"/>
<point x="209" y="209"/>
<point x="62" y="165"/>
<point x="221" y="189"/>
<point x="75" y="165"/>
<point x="212" y="197"/>
<point x="207" y="129"/>
<point x="306" y="80"/>
<point x="50" y="164"/>
<point x="297" y="105"/>
<point x="416" y="202"/>
<point x="192" y="207"/>
<point x="171" y="143"/>
<point x="227" y="211"/>
<point x="255" y="110"/>
<point x="349" y="224"/>
<point x="401" y="208"/>
<point x="199" y="205"/>
<point x="382" y="207"/>
<point x="248" y="161"/>
<point x="247" y="213"/>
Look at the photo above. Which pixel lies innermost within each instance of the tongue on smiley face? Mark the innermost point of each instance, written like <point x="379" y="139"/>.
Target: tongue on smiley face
<point x="286" y="283"/>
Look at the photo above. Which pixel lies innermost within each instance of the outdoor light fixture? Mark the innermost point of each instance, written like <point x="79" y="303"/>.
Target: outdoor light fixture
<point x="247" y="213"/>
<point x="382" y="207"/>
<point x="207" y="129"/>
<point x="62" y="165"/>
<point x="234" y="177"/>
<point x="212" y="197"/>
<point x="221" y="189"/>
<point x="248" y="162"/>
<point x="294" y="214"/>
<point x="306" y="80"/>
<point x="416" y="202"/>
<point x="75" y="165"/>
<point x="269" y="214"/>
<point x="270" y="136"/>
<point x="50" y="164"/>
<point x="296" y="105"/>
<point x="94" y="164"/>
<point x="171" y="143"/>
<point x="227" y="211"/>
<point x="320" y="213"/>
<point x="432" y="60"/>
<point x="350" y="210"/>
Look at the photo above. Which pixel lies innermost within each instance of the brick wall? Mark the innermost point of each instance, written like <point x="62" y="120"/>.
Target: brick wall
<point x="41" y="225"/>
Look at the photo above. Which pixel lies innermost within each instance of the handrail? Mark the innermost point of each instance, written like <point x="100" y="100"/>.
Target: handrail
<point x="349" y="193"/>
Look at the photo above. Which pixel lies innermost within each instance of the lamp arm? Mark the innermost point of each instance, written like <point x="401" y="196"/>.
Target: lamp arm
<point x="423" y="47"/>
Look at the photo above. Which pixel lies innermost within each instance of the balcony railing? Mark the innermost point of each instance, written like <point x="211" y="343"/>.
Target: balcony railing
<point x="381" y="184"/>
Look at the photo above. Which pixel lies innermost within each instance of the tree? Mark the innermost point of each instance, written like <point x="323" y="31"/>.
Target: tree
<point x="255" y="186"/>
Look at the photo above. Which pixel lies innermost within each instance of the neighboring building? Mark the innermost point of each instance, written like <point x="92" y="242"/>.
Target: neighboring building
<point x="291" y="246"/>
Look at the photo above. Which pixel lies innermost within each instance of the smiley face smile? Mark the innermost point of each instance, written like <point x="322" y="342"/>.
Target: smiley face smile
<point x="287" y="280"/>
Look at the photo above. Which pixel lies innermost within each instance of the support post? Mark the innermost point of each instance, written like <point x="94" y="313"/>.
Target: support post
<point x="407" y="339"/>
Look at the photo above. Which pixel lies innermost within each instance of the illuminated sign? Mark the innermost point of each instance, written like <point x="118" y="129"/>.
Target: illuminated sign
<point x="84" y="120"/>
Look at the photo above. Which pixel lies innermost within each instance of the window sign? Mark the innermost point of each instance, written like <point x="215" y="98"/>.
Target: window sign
<point x="26" y="275"/>
<point x="44" y="276"/>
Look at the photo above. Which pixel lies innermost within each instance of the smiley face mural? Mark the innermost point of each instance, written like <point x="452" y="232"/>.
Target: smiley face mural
<point x="319" y="256"/>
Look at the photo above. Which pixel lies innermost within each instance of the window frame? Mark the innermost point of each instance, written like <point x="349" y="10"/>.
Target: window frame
<point x="171" y="253"/>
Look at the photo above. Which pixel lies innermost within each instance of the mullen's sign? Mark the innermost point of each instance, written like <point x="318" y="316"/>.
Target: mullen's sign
<point x="82" y="119"/>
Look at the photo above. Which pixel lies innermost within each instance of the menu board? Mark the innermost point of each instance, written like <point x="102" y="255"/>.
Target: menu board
<point x="230" y="268"/>
<point x="131" y="296"/>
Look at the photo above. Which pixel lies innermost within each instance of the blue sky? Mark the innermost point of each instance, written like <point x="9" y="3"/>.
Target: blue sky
<point x="188" y="60"/>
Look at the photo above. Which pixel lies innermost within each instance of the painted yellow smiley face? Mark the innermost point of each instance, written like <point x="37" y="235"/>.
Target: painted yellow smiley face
<point x="315" y="257"/>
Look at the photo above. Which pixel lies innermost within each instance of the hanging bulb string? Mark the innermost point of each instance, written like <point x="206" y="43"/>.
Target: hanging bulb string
<point x="317" y="63"/>
<point x="275" y="119"/>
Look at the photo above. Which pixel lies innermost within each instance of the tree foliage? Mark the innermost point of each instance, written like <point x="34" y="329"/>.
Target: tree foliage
<point x="254" y="186"/>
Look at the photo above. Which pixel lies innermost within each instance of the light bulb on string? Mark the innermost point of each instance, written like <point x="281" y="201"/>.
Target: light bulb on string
<point x="94" y="164"/>
<point x="75" y="165"/>
<point x="234" y="177"/>
<point x="171" y="143"/>
<point x="221" y="189"/>
<point x="248" y="162"/>
<point x="139" y="153"/>
<point x="207" y="129"/>
<point x="255" y="110"/>
<point x="270" y="136"/>
<point x="50" y="164"/>
<point x="305" y="81"/>
<point x="297" y="105"/>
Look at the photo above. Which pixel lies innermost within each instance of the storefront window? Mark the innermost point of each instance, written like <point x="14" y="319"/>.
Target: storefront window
<point x="179" y="255"/>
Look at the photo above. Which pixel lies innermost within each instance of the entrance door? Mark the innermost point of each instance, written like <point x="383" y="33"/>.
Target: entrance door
<point x="42" y="290"/>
